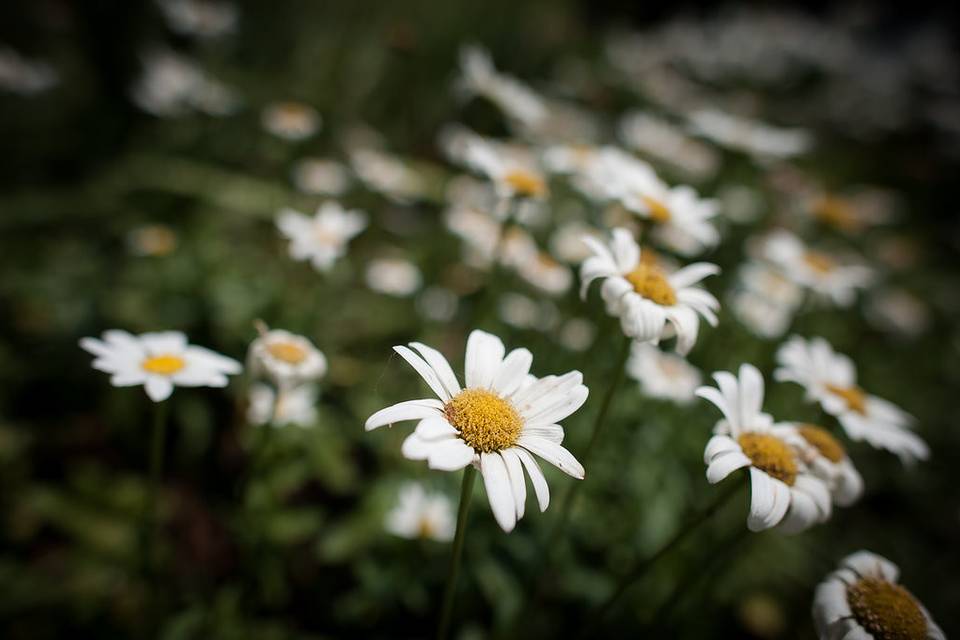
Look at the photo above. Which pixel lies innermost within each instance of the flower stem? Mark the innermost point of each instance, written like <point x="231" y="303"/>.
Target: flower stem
<point x="151" y="505"/>
<point x="466" y="492"/>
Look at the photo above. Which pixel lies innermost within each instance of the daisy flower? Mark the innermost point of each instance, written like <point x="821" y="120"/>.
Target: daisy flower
<point x="784" y="491"/>
<point x="495" y="423"/>
<point x="295" y="406"/>
<point x="820" y="272"/>
<point x="159" y="361"/>
<point x="663" y="375"/>
<point x="202" y="18"/>
<point x="830" y="378"/>
<point x="757" y="139"/>
<point x="172" y="85"/>
<point x="513" y="174"/>
<point x="479" y="77"/>
<point x="286" y="358"/>
<point x="764" y="300"/>
<point x="290" y="120"/>
<point x="388" y="175"/>
<point x="862" y="600"/>
<point x="318" y="176"/>
<point x="650" y="303"/>
<point x="828" y="460"/>
<point x="546" y="274"/>
<point x="324" y="237"/>
<point x="668" y="143"/>
<point x="393" y="276"/>
<point x="422" y="514"/>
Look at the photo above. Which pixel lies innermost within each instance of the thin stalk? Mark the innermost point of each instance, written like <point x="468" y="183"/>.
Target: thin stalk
<point x="466" y="492"/>
<point x="151" y="506"/>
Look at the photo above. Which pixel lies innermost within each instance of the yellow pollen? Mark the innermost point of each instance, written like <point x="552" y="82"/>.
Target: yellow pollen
<point x="823" y="441"/>
<point x="819" y="262"/>
<point x="525" y="183"/>
<point x="854" y="396"/>
<point x="485" y="421"/>
<point x="287" y="352"/>
<point x="770" y="454"/>
<point x="886" y="610"/>
<point x="650" y="282"/>
<point x="837" y="212"/>
<point x="658" y="211"/>
<point x="165" y="365"/>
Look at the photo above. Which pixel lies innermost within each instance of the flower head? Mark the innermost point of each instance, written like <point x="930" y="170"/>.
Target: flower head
<point x="291" y="120"/>
<point x="496" y="422"/>
<point x="324" y="237"/>
<point x="421" y="514"/>
<point x="828" y="460"/>
<point x="663" y="375"/>
<point x="287" y="359"/>
<point x="294" y="406"/>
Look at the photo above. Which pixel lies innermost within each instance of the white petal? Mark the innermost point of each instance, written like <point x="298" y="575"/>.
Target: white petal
<point x="725" y="464"/>
<point x="435" y="428"/>
<point x="714" y="396"/>
<point x="408" y="410"/>
<point x="552" y="432"/>
<point x="554" y="454"/>
<point x="499" y="493"/>
<point x="692" y="274"/>
<point x="415" y="448"/>
<point x="484" y="355"/>
<point x="513" y="370"/>
<point x="769" y="500"/>
<point x="426" y="371"/>
<point x="687" y="326"/>
<point x="540" y="486"/>
<point x="158" y="388"/>
<point x="440" y="366"/>
<point x="751" y="392"/>
<point x="517" y="482"/>
<point x="164" y="342"/>
<point x="450" y="455"/>
<point x="560" y="408"/>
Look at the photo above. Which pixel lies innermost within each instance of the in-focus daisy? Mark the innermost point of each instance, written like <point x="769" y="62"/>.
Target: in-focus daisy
<point x="324" y="237"/>
<point x="830" y="378"/>
<point x="290" y="120"/>
<point x="295" y="406"/>
<point x="663" y="375"/>
<point x="286" y="358"/>
<point x="159" y="361"/>
<point x="783" y="490"/>
<point x="393" y="276"/>
<point x="650" y="303"/>
<point x="820" y="272"/>
<point x="828" y="460"/>
<point x="422" y="514"/>
<point x="862" y="600"/>
<point x="495" y="423"/>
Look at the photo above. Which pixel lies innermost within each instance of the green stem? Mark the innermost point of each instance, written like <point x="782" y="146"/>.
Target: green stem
<point x="466" y="492"/>
<point x="630" y="578"/>
<point x="151" y="505"/>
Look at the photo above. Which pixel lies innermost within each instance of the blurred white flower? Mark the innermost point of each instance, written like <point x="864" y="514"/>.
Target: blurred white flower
<point x="828" y="460"/>
<point x="567" y="243"/>
<point x="159" y="361"/>
<point x="502" y="417"/>
<point x="478" y="76"/>
<point x="290" y="120"/>
<point x="899" y="312"/>
<point x="783" y="491"/>
<point x="512" y="175"/>
<point x="23" y="76"/>
<point x="152" y="240"/>
<point x="393" y="276"/>
<point x="577" y="334"/>
<point x="651" y="304"/>
<point x="523" y="312"/>
<point x="317" y="176"/>
<point x="437" y="303"/>
<point x="297" y="405"/>
<point x="323" y="238"/>
<point x="202" y="18"/>
<point x="419" y="514"/>
<point x="757" y="139"/>
<point x="546" y="274"/>
<point x="665" y="142"/>
<point x="830" y="378"/>
<point x="286" y="358"/>
<point x="740" y="203"/>
<point x="171" y="85"/>
<point x="862" y="599"/>
<point x="764" y="300"/>
<point x="387" y="174"/>
<point x="663" y="375"/>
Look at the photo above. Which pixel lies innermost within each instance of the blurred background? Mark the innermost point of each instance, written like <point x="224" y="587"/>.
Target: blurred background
<point x="140" y="179"/>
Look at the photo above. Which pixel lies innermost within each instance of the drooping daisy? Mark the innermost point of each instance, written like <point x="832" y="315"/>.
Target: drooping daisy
<point x="393" y="276"/>
<point x="422" y="514"/>
<point x="830" y="378"/>
<point x="820" y="272"/>
<point x="324" y="237"/>
<point x="286" y="358"/>
<point x="290" y="120"/>
<point x="295" y="406"/>
<point x="159" y="361"/>
<point x="784" y="491"/>
<point x="663" y="375"/>
<point x="502" y="417"/>
<point x="828" y="460"/>
<point x="644" y="296"/>
<point x="862" y="600"/>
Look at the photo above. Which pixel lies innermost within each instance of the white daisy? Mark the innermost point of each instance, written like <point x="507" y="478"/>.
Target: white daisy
<point x="757" y="139"/>
<point x="663" y="375"/>
<point x="828" y="460"/>
<point x="784" y="491"/>
<point x="546" y="274"/>
<point x="646" y="298"/>
<point x="822" y="273"/>
<point x="502" y="417"/>
<point x="324" y="237"/>
<point x="830" y="378"/>
<point x="286" y="358"/>
<point x="172" y="85"/>
<point x="388" y="175"/>
<point x="320" y="177"/>
<point x="518" y="101"/>
<point x="393" y="276"/>
<point x="290" y="120"/>
<point x="159" y="361"/>
<point x="666" y="142"/>
<point x="422" y="514"/>
<point x="764" y="300"/>
<point x="513" y="174"/>
<point x="296" y="405"/>
<point x="202" y="18"/>
<point x="863" y="601"/>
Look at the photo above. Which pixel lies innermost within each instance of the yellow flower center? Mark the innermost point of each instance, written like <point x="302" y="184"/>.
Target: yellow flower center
<point x="525" y="183"/>
<point x="854" y="396"/>
<point x="819" y="262"/>
<point x="650" y="282"/>
<point x="771" y="455"/>
<point x="287" y="352"/>
<point x="837" y="212"/>
<point x="425" y="528"/>
<point x="886" y="610"/>
<point x="485" y="421"/>
<point x="164" y="365"/>
<point x="823" y="441"/>
<point x="658" y="211"/>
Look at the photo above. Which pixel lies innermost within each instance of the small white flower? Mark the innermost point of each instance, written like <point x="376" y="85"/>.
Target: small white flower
<point x="419" y="514"/>
<point x="159" y="361"/>
<point x="546" y="274"/>
<point x="320" y="177"/>
<point x="393" y="276"/>
<point x="666" y="142"/>
<point x="899" y="312"/>
<point x="663" y="375"/>
<point x="764" y="300"/>
<point x="23" y="76"/>
<point x="172" y="85"/>
<point x="296" y="406"/>
<point x="513" y="174"/>
<point x="387" y="174"/>
<point x="647" y="300"/>
<point x="502" y="417"/>
<point x="286" y="358"/>
<point x="518" y="101"/>
<point x="828" y="460"/>
<point x="290" y="120"/>
<point x="862" y="600"/>
<point x="324" y="237"/>
<point x="203" y="18"/>
<point x="752" y="137"/>
<point x="783" y="490"/>
<point x="830" y="378"/>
